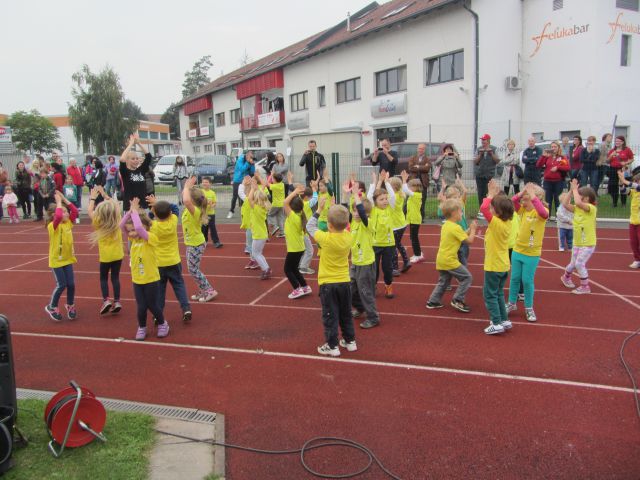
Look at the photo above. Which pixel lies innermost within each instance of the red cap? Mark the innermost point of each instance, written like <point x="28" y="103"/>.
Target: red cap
<point x="486" y="136"/>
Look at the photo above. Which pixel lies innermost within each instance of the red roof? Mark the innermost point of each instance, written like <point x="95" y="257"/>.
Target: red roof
<point x="369" y="19"/>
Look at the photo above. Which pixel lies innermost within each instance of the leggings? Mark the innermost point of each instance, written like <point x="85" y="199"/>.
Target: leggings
<point x="579" y="258"/>
<point x="305" y="261"/>
<point x="194" y="257"/>
<point x="64" y="279"/>
<point x="248" y="243"/>
<point x="257" y="247"/>
<point x="414" y="231"/>
<point x="115" y="279"/>
<point x="147" y="299"/>
<point x="385" y="255"/>
<point x="523" y="269"/>
<point x="292" y="271"/>
<point x="397" y="235"/>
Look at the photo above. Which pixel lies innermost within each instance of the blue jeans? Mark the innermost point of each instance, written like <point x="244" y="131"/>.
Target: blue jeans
<point x="173" y="275"/>
<point x="591" y="178"/>
<point x="565" y="238"/>
<point x="110" y="186"/>
<point x="78" y="202"/>
<point x="463" y="253"/>
<point x="64" y="279"/>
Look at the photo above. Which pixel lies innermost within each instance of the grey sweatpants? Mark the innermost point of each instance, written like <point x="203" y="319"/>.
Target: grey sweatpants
<point x="305" y="261"/>
<point x="363" y="290"/>
<point x="276" y="217"/>
<point x="464" y="279"/>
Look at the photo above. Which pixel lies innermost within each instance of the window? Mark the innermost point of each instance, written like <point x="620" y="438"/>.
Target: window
<point x="628" y="4"/>
<point x="143" y="134"/>
<point x="539" y="136"/>
<point x="393" y="80"/>
<point x="445" y="68"/>
<point x="235" y="144"/>
<point x="221" y="148"/>
<point x="322" y="97"/>
<point x="557" y="4"/>
<point x="196" y="149"/>
<point x="348" y="91"/>
<point x="164" y="136"/>
<point x="220" y="119"/>
<point x="235" y="116"/>
<point x="625" y="50"/>
<point x="208" y="148"/>
<point x="154" y="135"/>
<point x="254" y="144"/>
<point x="272" y="143"/>
<point x="624" y="131"/>
<point x="299" y="101"/>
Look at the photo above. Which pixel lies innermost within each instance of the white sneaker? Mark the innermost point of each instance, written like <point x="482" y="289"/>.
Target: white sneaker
<point x="230" y="215"/>
<point x="635" y="264"/>
<point x="511" y="307"/>
<point x="561" y="249"/>
<point x="417" y="259"/>
<point x="297" y="293"/>
<point x="494" y="329"/>
<point x="412" y="259"/>
<point x="196" y="296"/>
<point x="350" y="346"/>
<point x="531" y="315"/>
<point x="77" y="221"/>
<point x="507" y="325"/>
<point x="328" y="351"/>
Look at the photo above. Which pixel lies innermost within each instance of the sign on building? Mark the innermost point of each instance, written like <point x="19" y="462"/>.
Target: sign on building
<point x="5" y="134"/>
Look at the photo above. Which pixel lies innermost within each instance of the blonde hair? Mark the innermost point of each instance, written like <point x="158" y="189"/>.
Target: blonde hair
<point x="415" y="184"/>
<point x="106" y="221"/>
<point x="396" y="184"/>
<point x="368" y="206"/>
<point x="511" y="141"/>
<point x="450" y="206"/>
<point x="260" y="198"/>
<point x="338" y="217"/>
<point x="539" y="192"/>
<point x="452" y="191"/>
<point x="200" y="200"/>
<point x="144" y="220"/>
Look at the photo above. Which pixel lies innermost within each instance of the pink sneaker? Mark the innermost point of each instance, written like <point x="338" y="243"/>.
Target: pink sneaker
<point x="163" y="330"/>
<point x="297" y="293"/>
<point x="582" y="290"/>
<point x="306" y="290"/>
<point x="141" y="333"/>
<point x="252" y="265"/>
<point x="208" y="296"/>
<point x="266" y="274"/>
<point x="567" y="282"/>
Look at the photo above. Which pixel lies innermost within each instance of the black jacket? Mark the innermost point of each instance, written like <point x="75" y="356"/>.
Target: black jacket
<point x="314" y="164"/>
<point x="589" y="159"/>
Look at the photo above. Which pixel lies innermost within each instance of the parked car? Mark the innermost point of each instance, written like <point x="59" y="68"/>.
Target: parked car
<point x="217" y="167"/>
<point x="163" y="169"/>
<point x="408" y="149"/>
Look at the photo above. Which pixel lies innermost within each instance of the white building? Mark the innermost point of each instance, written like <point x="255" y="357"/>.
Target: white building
<point x="408" y="70"/>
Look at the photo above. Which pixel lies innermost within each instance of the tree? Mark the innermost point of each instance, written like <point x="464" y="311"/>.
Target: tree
<point x="197" y="77"/>
<point x="171" y="117"/>
<point x="98" y="112"/>
<point x="132" y="110"/>
<point x="33" y="132"/>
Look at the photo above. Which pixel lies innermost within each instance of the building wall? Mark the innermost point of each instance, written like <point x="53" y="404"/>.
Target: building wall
<point x="225" y="101"/>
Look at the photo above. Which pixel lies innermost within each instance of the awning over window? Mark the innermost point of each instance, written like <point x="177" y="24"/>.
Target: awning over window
<point x="198" y="105"/>
<point x="259" y="84"/>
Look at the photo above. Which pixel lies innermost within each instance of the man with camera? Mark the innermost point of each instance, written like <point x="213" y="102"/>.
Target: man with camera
<point x="385" y="157"/>
<point x="313" y="162"/>
<point x="485" y="163"/>
<point x="419" y="167"/>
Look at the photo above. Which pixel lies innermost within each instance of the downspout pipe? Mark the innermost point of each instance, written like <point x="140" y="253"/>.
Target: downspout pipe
<point x="476" y="86"/>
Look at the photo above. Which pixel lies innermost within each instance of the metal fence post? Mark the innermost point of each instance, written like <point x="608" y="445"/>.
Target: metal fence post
<point x="335" y="175"/>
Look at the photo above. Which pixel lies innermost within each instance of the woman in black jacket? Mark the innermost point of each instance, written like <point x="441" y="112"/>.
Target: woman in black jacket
<point x="589" y="175"/>
<point x="23" y="189"/>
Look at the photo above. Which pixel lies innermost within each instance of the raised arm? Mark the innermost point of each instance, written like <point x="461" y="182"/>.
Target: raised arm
<point x="137" y="224"/>
<point x="291" y="196"/>
<point x="577" y="199"/>
<point x="186" y="195"/>
<point x="125" y="154"/>
<point x="391" y="194"/>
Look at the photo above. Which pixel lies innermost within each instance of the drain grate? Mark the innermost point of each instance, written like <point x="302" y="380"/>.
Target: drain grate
<point x="187" y="414"/>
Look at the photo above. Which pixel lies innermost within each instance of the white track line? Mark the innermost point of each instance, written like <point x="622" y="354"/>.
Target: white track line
<point x="260" y="297"/>
<point x="368" y="363"/>
<point x="26" y="263"/>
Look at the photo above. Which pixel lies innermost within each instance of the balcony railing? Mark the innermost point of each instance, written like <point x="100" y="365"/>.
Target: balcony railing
<point x="264" y="120"/>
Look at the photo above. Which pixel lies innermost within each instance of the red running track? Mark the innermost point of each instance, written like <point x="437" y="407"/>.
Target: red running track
<point x="427" y="391"/>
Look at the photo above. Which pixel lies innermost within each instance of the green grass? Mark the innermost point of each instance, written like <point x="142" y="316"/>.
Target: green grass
<point x="124" y="455"/>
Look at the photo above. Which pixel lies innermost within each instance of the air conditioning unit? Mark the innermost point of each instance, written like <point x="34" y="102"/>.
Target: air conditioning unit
<point x="513" y="83"/>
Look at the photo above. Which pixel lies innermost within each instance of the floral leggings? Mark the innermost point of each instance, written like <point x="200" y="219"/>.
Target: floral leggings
<point x="579" y="258"/>
<point x="194" y="257"/>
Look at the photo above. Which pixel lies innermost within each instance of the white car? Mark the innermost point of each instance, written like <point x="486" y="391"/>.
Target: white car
<point x="163" y="171"/>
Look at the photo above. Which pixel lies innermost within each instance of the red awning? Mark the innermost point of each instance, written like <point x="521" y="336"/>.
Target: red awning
<point x="259" y="84"/>
<point x="198" y="105"/>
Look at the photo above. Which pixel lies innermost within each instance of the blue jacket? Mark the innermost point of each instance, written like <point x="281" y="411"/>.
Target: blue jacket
<point x="242" y="169"/>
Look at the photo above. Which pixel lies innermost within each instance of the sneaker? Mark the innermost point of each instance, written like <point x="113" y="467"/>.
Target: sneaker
<point x="230" y="215"/>
<point x="307" y="271"/>
<point x="461" y="306"/>
<point x="388" y="291"/>
<point x="186" y="316"/>
<point x="208" y="296"/>
<point x="266" y="274"/>
<point x="494" y="329"/>
<point x="448" y="288"/>
<point x="163" y="330"/>
<point x="412" y="259"/>
<point x="521" y="297"/>
<point x="635" y="264"/>
<point x="218" y="245"/>
<point x="141" y="333"/>
<point x="71" y="312"/>
<point x="369" y="324"/>
<point x="328" y="351"/>
<point x="417" y="259"/>
<point x="196" y="296"/>
<point x="395" y="273"/>
<point x="54" y="313"/>
<point x="511" y="307"/>
<point x="582" y="290"/>
<point x="275" y="230"/>
<point x="77" y="221"/>
<point x="247" y="252"/>
<point x="252" y="265"/>
<point x="531" y="315"/>
<point x="350" y="346"/>
<point x="507" y="325"/>
<point x="406" y="268"/>
<point x="561" y="249"/>
<point x="433" y="305"/>
<point x="117" y="306"/>
<point x="480" y="216"/>
<point x="306" y="290"/>
<point x="567" y="282"/>
<point x="280" y="235"/>
<point x="356" y="313"/>
<point x="106" y="307"/>
<point x="297" y="293"/>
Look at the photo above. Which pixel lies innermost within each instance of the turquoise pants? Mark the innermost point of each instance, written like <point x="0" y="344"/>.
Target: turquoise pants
<point x="523" y="269"/>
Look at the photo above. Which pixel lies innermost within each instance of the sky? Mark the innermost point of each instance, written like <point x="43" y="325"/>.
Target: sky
<point x="150" y="44"/>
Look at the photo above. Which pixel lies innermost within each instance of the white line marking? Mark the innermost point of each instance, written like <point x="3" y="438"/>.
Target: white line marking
<point x="26" y="263"/>
<point x="368" y="363"/>
<point x="260" y="297"/>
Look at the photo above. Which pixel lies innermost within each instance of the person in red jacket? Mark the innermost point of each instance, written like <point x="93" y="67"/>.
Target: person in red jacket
<point x="59" y="177"/>
<point x="620" y="158"/>
<point x="556" y="167"/>
<point x="575" y="157"/>
<point x="76" y="174"/>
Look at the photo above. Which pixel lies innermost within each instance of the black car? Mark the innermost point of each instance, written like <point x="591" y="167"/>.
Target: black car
<point x="217" y="167"/>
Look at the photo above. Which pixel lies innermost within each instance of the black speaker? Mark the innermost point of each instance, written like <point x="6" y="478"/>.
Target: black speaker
<point x="8" y="402"/>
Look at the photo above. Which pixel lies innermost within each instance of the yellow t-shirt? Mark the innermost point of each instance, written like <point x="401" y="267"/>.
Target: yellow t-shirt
<point x="258" y="223"/>
<point x="192" y="228"/>
<point x="414" y="202"/>
<point x="634" y="219"/>
<point x="167" y="250"/>
<point x="584" y="227"/>
<point x="61" y="251"/>
<point x="293" y="234"/>
<point x="362" y="247"/>
<point x="334" y="261"/>
<point x="451" y="236"/>
<point x="307" y="209"/>
<point x="277" y="194"/>
<point x="397" y="212"/>
<point x="144" y="266"/>
<point x="325" y="211"/>
<point x="211" y="197"/>
<point x="245" y="215"/>
<point x="110" y="248"/>
<point x="496" y="246"/>
<point x="529" y="239"/>
<point x="381" y="224"/>
<point x="515" y="229"/>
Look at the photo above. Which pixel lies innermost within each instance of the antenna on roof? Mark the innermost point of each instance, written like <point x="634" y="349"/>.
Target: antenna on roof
<point x="348" y="21"/>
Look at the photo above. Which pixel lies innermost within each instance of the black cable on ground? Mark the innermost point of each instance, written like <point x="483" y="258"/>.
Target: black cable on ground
<point x="311" y="444"/>
<point x="629" y="372"/>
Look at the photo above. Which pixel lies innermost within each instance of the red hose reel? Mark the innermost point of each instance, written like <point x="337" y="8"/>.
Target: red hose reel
<point x="74" y="417"/>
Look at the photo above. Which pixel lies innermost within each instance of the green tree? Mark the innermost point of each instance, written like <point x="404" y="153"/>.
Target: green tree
<point x="171" y="117"/>
<point x="132" y="110"/>
<point x="197" y="77"/>
<point x="98" y="112"/>
<point x="33" y="132"/>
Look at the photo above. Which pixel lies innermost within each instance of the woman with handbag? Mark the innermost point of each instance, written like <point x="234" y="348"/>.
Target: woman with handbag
<point x="512" y="171"/>
<point x="447" y="166"/>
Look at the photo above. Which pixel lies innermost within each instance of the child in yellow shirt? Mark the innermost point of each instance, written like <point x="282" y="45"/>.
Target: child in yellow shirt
<point x="309" y="199"/>
<point x="381" y="222"/>
<point x="212" y="199"/>
<point x="295" y="229"/>
<point x="276" y="213"/>
<point x="497" y="209"/>
<point x="399" y="221"/>
<point x="259" y="205"/>
<point x="61" y="218"/>
<point x="413" y="191"/>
